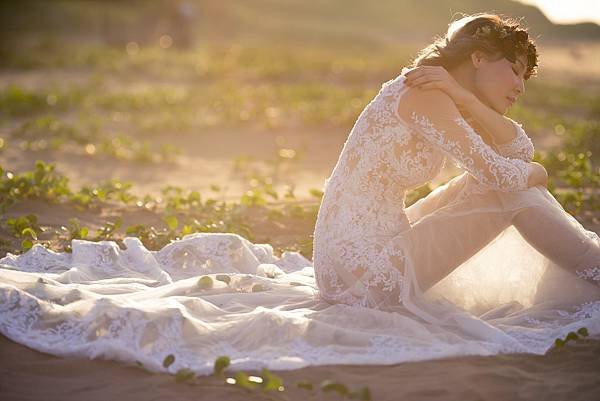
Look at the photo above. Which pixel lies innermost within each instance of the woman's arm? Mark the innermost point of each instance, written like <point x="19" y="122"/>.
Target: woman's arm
<point x="498" y="127"/>
<point x="520" y="147"/>
<point x="435" y="116"/>
<point x="492" y="124"/>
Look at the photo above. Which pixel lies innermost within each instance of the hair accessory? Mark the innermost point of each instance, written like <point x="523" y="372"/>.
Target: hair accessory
<point x="510" y="36"/>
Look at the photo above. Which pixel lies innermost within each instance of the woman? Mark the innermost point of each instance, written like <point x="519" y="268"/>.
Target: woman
<point x="483" y="264"/>
<point x="369" y="249"/>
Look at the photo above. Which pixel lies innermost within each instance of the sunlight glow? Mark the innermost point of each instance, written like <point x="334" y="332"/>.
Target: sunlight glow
<point x="568" y="12"/>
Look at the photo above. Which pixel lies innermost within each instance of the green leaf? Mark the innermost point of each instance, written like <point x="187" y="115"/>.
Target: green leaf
<point x="241" y="379"/>
<point x="220" y="364"/>
<point x="205" y="282"/>
<point x="171" y="222"/>
<point x="583" y="331"/>
<point x="118" y="222"/>
<point x="194" y="196"/>
<point x="315" y="192"/>
<point x="559" y="342"/>
<point x="26" y="244"/>
<point x="572" y="336"/>
<point x="184" y="374"/>
<point x="329" y="385"/>
<point x="29" y="231"/>
<point x="168" y="361"/>
<point x="271" y="382"/>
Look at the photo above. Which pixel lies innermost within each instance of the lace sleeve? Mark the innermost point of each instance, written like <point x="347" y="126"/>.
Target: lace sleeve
<point x="436" y="117"/>
<point x="520" y="147"/>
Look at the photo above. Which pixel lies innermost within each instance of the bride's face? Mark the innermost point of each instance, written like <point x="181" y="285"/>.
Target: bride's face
<point x="499" y="83"/>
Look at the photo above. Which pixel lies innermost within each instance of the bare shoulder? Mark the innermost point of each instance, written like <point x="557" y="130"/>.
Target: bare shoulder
<point x="418" y="100"/>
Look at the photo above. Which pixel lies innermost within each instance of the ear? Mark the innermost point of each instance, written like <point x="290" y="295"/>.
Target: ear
<point x="477" y="58"/>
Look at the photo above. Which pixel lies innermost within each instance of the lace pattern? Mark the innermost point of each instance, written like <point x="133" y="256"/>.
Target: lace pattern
<point x="590" y="274"/>
<point x="501" y="173"/>
<point x="520" y="147"/>
<point x="358" y="260"/>
<point x="362" y="210"/>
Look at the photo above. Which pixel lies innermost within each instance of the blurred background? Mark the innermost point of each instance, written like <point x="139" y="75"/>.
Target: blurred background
<point x="151" y="102"/>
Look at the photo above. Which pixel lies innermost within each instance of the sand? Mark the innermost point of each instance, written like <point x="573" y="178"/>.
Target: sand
<point x="570" y="373"/>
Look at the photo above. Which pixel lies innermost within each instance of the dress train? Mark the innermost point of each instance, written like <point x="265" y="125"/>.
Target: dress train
<point x="139" y="306"/>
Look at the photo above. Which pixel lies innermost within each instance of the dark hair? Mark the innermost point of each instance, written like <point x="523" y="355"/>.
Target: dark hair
<point x="496" y="36"/>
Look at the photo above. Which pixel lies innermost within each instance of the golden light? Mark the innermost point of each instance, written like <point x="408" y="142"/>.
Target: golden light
<point x="287" y="153"/>
<point x="90" y="149"/>
<point x="165" y="41"/>
<point x="272" y="112"/>
<point x="559" y="129"/>
<point x="132" y="48"/>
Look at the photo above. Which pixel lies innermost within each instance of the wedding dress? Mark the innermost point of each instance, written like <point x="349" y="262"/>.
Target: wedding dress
<point x="482" y="265"/>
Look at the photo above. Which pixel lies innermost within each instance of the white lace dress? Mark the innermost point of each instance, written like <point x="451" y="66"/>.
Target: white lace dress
<point x="369" y="249"/>
<point x="384" y="287"/>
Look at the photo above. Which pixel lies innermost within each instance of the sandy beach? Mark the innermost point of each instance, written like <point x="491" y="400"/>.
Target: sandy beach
<point x="570" y="373"/>
<point x="133" y="125"/>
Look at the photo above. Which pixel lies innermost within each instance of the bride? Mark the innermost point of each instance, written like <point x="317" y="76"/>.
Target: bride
<point x="368" y="248"/>
<point x="487" y="263"/>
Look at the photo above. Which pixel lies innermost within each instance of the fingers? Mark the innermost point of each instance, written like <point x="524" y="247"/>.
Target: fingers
<point x="425" y="77"/>
<point x="424" y="81"/>
<point x="422" y="77"/>
<point x="428" y="85"/>
<point x="424" y="69"/>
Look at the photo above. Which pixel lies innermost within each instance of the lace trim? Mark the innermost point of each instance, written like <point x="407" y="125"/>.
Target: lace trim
<point x="589" y="274"/>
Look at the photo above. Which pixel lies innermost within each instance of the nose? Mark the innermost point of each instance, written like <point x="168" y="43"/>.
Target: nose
<point x="521" y="87"/>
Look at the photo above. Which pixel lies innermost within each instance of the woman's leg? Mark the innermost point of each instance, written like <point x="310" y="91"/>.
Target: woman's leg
<point x="438" y="198"/>
<point x="559" y="237"/>
<point x="439" y="243"/>
<point x="443" y="240"/>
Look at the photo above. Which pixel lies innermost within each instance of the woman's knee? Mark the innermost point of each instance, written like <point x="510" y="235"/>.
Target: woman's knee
<point x="536" y="209"/>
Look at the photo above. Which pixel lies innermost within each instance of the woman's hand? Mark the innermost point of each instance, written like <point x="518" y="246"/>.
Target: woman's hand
<point x="537" y="176"/>
<point x="430" y="77"/>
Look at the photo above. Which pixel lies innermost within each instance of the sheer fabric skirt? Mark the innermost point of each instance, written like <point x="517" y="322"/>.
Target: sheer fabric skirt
<point x="477" y="250"/>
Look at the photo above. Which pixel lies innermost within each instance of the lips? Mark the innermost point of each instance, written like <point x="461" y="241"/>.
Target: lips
<point x="511" y="99"/>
